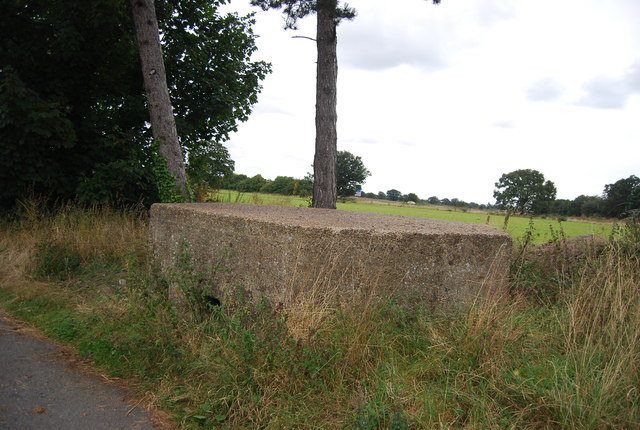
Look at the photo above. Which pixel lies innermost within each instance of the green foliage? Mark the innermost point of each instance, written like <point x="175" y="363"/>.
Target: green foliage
<point x="251" y="185"/>
<point x="288" y="186"/>
<point x="231" y="181"/>
<point x="350" y="173"/>
<point x="412" y="197"/>
<point x="208" y="164"/>
<point x="394" y="195"/>
<point x="72" y="104"/>
<point x="524" y="191"/>
<point x="588" y="206"/>
<point x="622" y="196"/>
<point x="164" y="180"/>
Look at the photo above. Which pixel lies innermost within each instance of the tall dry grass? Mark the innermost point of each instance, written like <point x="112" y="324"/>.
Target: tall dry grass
<point x="601" y="333"/>
<point x="87" y="234"/>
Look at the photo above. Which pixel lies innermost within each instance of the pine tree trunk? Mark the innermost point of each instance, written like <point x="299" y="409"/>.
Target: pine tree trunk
<point x="163" y="123"/>
<point x="324" y="164"/>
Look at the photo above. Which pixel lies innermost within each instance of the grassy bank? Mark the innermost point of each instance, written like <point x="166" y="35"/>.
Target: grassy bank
<point x="544" y="229"/>
<point x="535" y="358"/>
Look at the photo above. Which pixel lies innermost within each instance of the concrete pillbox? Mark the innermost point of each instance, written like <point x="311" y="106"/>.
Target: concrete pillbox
<point x="278" y="252"/>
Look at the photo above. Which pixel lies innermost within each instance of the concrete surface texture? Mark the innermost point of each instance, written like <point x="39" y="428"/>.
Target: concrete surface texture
<point x="39" y="389"/>
<point x="279" y="252"/>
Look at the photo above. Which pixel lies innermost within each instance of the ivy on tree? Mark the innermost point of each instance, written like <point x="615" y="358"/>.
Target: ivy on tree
<point x="163" y="123"/>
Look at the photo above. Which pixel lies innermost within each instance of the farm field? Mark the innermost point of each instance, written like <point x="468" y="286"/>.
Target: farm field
<point x="544" y="230"/>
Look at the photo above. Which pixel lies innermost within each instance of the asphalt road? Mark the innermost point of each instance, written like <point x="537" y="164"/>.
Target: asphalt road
<point x="43" y="387"/>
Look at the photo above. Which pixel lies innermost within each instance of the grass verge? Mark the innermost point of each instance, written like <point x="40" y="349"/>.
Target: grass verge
<point x="320" y="362"/>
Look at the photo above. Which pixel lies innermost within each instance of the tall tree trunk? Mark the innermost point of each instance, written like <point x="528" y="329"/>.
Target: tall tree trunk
<point x="324" y="163"/>
<point x="163" y="124"/>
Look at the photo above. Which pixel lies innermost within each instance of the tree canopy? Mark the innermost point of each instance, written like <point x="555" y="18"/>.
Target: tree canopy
<point x="73" y="122"/>
<point x="393" y="195"/>
<point x="524" y="191"/>
<point x="350" y="173"/>
<point x="622" y="197"/>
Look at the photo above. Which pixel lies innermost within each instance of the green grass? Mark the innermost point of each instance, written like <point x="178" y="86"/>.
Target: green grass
<point x="544" y="230"/>
<point x="320" y="362"/>
<point x="229" y="196"/>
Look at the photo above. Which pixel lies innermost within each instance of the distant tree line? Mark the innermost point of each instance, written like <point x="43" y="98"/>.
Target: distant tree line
<point x="285" y="185"/>
<point x="350" y="171"/>
<point x="397" y="196"/>
<point x="618" y="200"/>
<point x="526" y="191"/>
<point x="521" y="191"/>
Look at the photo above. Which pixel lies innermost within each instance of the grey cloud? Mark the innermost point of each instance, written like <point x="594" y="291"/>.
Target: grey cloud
<point x="632" y="77"/>
<point x="604" y="92"/>
<point x="373" y="43"/>
<point x="545" y="90"/>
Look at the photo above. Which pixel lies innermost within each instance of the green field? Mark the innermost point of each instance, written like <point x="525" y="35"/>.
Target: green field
<point x="544" y="230"/>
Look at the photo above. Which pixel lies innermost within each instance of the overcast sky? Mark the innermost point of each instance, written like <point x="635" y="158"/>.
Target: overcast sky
<point x="442" y="100"/>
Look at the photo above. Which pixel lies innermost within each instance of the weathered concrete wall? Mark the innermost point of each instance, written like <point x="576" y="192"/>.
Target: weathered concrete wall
<point x="278" y="252"/>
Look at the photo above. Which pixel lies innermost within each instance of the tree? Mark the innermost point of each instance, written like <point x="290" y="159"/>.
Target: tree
<point x="394" y="195"/>
<point x="622" y="197"/>
<point x="209" y="164"/>
<point x="232" y="181"/>
<point x="412" y="197"/>
<point x="524" y="191"/>
<point x="433" y="200"/>
<point x="163" y="123"/>
<point x="350" y="173"/>
<point x="329" y="14"/>
<point x="73" y="120"/>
